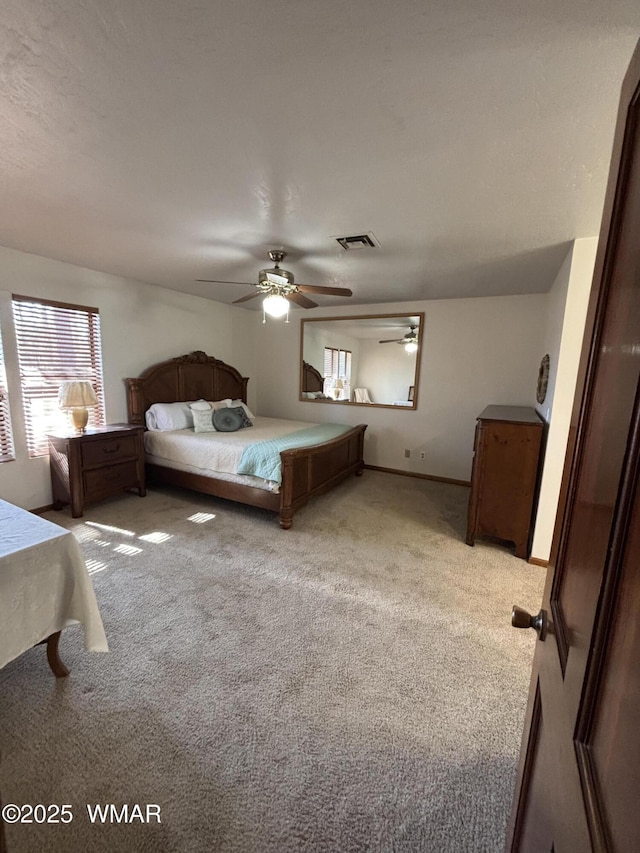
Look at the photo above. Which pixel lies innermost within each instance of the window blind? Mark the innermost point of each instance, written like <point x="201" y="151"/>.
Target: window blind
<point x="337" y="363"/>
<point x="329" y="362"/>
<point x="6" y="438"/>
<point x="56" y="342"/>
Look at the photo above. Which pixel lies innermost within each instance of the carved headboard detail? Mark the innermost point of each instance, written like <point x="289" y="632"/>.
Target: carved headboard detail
<point x="188" y="377"/>
<point x="312" y="379"/>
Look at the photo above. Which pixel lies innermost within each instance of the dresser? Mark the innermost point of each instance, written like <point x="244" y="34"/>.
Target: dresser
<point x="87" y="467"/>
<point x="504" y="478"/>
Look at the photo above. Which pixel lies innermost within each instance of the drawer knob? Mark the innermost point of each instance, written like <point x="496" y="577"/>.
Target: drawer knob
<point x="113" y="449"/>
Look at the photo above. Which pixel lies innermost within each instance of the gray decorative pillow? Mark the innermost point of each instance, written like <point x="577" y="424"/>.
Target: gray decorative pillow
<point x="231" y="419"/>
<point x="246" y="417"/>
<point x="203" y="420"/>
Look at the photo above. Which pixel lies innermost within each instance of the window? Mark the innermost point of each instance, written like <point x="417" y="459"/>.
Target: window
<point x="55" y="342"/>
<point x="6" y="439"/>
<point x="337" y="373"/>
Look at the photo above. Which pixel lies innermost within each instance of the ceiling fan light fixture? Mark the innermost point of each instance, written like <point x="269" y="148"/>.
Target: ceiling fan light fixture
<point x="275" y="305"/>
<point x="411" y="347"/>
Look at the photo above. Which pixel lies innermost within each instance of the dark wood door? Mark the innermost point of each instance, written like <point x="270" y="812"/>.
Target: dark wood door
<point x="578" y="786"/>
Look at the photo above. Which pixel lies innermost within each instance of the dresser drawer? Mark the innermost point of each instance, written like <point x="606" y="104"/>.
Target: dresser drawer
<point x="105" y="481"/>
<point x="106" y="451"/>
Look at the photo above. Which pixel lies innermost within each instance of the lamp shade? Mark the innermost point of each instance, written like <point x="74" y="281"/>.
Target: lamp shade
<point x="76" y="393"/>
<point x="275" y="305"/>
<point x="339" y="384"/>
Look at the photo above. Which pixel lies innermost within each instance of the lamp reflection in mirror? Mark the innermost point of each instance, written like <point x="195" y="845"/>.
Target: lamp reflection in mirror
<point x="75" y="396"/>
<point x="275" y="306"/>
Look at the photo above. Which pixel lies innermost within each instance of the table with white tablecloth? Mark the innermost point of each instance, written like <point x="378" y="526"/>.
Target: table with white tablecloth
<point x="44" y="585"/>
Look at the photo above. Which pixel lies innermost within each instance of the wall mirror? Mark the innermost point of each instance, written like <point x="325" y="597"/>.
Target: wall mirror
<point x="364" y="361"/>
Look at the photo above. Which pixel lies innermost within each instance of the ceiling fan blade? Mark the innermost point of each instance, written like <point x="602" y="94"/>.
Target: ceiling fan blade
<point x="330" y="291"/>
<point x="393" y="341"/>
<point x="246" y="298"/>
<point x="301" y="300"/>
<point x="217" y="281"/>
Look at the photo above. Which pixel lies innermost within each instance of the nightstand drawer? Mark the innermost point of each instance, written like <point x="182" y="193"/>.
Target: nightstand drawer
<point x="105" y="481"/>
<point x="106" y="451"/>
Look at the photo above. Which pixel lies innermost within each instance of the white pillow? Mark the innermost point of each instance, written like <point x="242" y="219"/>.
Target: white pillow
<point x="168" y="416"/>
<point x="200" y="406"/>
<point x="150" y="420"/>
<point x="220" y="404"/>
<point x="234" y="403"/>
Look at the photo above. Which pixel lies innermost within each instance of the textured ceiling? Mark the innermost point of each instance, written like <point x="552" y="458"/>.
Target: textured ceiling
<point x="169" y="141"/>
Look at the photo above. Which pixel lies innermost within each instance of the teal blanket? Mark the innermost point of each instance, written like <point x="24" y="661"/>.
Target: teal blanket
<point x="263" y="459"/>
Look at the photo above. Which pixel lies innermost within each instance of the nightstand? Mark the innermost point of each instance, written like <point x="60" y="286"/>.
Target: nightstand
<point x="89" y="466"/>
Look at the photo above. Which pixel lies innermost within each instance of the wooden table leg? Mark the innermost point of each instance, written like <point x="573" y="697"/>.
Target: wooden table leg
<point x="57" y="667"/>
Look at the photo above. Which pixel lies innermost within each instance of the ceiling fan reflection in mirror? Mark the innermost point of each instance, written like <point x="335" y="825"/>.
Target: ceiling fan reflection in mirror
<point x="409" y="341"/>
<point x="279" y="289"/>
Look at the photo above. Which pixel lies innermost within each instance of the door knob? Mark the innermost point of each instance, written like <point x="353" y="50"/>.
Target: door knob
<point x="521" y="619"/>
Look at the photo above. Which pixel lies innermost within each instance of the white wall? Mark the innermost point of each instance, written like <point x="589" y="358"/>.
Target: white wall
<point x="564" y="329"/>
<point x="141" y="324"/>
<point x="475" y="352"/>
<point x="386" y="371"/>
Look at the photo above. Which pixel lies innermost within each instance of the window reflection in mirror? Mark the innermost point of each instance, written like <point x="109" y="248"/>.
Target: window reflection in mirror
<point x="365" y="360"/>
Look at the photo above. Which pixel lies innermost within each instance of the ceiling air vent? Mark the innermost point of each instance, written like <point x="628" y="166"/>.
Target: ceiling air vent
<point x="358" y="241"/>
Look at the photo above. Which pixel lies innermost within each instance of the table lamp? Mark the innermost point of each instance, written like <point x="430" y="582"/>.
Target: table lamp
<point x="76" y="395"/>
<point x="338" y="387"/>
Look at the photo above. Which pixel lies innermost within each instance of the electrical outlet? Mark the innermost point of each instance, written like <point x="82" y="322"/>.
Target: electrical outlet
<point x="422" y="454"/>
<point x="407" y="453"/>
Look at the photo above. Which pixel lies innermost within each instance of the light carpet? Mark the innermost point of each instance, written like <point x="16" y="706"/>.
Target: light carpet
<point x="352" y="684"/>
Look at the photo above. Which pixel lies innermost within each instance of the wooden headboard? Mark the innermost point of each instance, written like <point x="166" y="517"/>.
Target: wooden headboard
<point x="196" y="376"/>
<point x="312" y="379"/>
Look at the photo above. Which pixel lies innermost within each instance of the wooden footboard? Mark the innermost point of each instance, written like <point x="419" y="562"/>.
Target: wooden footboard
<point x="309" y="471"/>
<point x="306" y="471"/>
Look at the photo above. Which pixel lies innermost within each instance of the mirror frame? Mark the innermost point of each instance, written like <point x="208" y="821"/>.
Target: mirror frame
<point x="416" y="385"/>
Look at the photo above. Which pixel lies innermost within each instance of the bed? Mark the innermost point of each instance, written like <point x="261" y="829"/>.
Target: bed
<point x="312" y="379"/>
<point x="306" y="471"/>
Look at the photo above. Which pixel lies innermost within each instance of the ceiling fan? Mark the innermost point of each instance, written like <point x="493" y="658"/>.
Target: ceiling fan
<point x="279" y="288"/>
<point x="409" y="341"/>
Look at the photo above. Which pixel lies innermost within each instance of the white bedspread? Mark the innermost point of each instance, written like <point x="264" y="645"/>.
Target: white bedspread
<point x="214" y="453"/>
<point x="44" y="584"/>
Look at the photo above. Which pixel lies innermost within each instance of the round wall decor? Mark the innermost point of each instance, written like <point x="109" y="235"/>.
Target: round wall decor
<point x="543" y="379"/>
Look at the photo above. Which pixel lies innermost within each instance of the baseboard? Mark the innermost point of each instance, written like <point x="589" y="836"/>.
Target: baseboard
<point x="39" y="510"/>
<point x="419" y="476"/>
<point x="535" y="561"/>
